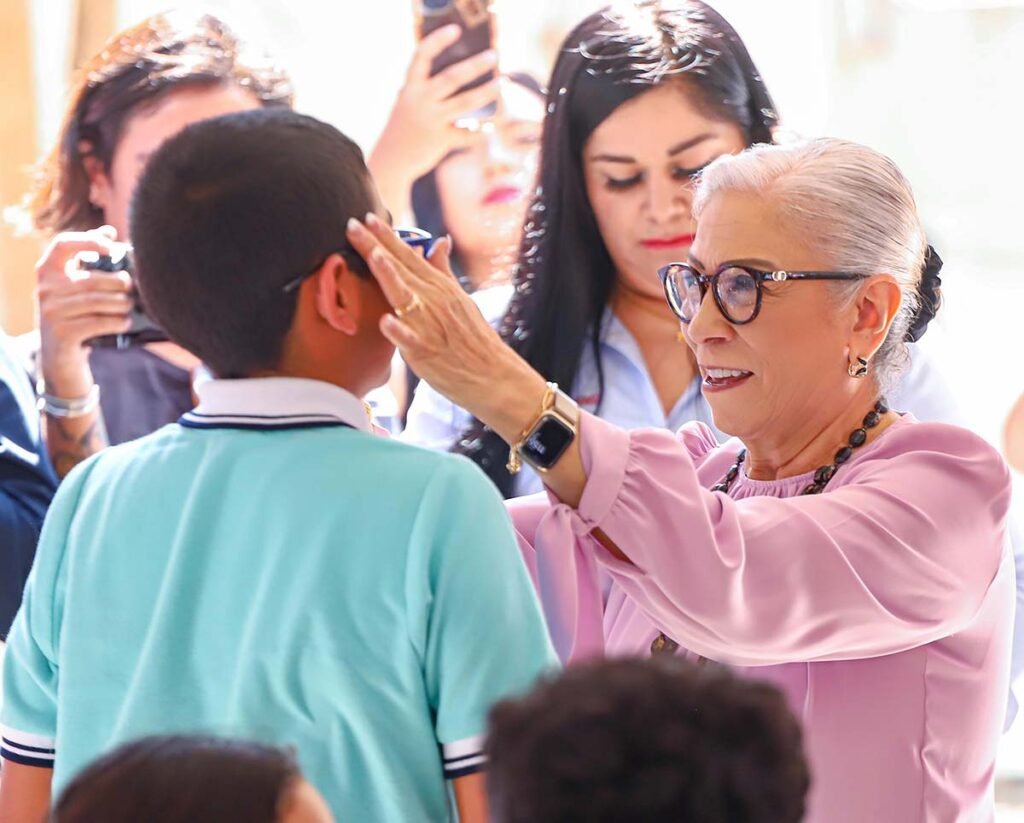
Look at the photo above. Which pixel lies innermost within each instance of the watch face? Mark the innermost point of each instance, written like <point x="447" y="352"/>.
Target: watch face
<point x="546" y="443"/>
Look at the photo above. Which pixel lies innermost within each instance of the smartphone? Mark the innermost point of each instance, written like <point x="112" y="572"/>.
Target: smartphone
<point x="477" y="22"/>
<point x="143" y="328"/>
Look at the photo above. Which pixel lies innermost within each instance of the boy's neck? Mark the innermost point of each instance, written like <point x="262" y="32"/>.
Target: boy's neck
<point x="332" y="376"/>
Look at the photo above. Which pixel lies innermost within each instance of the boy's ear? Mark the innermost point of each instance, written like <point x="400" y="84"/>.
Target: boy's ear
<point x="337" y="295"/>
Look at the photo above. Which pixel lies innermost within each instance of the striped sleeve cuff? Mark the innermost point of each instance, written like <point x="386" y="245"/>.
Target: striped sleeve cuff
<point x="27" y="749"/>
<point x="463" y="757"/>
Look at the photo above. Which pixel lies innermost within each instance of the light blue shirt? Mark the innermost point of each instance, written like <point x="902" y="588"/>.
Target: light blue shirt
<point x="269" y="569"/>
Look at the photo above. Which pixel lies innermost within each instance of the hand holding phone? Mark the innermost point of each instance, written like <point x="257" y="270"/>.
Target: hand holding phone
<point x="475" y="21"/>
<point x="421" y="129"/>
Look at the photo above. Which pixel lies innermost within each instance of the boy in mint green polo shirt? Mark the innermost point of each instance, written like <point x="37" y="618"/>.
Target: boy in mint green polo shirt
<point x="269" y="567"/>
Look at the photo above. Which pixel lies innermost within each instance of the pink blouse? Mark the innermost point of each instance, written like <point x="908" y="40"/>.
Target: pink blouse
<point x="883" y="607"/>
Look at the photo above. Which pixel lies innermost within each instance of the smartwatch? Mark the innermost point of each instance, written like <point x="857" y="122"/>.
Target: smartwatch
<point x="544" y="443"/>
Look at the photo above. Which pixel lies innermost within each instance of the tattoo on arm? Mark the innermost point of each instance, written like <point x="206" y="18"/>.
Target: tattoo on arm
<point x="69" y="443"/>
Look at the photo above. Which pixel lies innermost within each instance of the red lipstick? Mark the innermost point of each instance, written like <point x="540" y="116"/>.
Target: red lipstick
<point x="502" y="194"/>
<point x="669" y="242"/>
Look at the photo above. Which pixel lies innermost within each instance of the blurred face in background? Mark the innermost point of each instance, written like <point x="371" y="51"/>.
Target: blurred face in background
<point x="145" y="131"/>
<point x="485" y="187"/>
<point x="639" y="165"/>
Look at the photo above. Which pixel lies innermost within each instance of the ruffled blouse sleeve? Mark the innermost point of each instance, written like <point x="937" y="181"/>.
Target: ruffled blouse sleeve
<point x="899" y="551"/>
<point x="557" y="549"/>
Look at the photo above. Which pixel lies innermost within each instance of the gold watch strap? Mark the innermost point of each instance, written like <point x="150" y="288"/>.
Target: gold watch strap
<point x="554" y="399"/>
<point x="515" y="462"/>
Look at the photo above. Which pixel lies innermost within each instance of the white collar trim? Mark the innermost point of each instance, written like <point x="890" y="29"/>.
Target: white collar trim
<point x="275" y="403"/>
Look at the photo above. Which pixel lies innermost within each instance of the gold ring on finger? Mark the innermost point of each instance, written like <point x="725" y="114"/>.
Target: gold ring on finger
<point x="411" y="306"/>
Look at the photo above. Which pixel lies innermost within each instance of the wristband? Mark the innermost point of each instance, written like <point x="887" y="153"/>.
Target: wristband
<point x="76" y="407"/>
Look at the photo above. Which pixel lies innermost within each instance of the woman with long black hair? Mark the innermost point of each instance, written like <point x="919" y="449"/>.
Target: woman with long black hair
<point x="642" y="97"/>
<point x="638" y="102"/>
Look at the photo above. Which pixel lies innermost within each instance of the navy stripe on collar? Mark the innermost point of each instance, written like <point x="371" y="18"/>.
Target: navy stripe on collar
<point x="264" y="422"/>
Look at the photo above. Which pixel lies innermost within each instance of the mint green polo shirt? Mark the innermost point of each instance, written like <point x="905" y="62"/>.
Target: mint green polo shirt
<point x="269" y="568"/>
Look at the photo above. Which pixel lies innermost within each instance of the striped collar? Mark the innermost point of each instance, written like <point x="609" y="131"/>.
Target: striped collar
<point x="275" y="403"/>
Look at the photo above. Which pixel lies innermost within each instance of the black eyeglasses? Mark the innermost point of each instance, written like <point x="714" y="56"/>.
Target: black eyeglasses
<point x="415" y="238"/>
<point x="737" y="289"/>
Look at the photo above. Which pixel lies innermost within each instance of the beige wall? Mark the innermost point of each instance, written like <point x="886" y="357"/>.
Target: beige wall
<point x="18" y="142"/>
<point x="41" y="42"/>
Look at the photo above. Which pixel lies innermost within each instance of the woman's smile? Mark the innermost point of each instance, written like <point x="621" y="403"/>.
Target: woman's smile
<point x="719" y="378"/>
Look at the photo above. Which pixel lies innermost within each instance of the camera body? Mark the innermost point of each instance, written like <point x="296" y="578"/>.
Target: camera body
<point x="143" y="328"/>
<point x="477" y="22"/>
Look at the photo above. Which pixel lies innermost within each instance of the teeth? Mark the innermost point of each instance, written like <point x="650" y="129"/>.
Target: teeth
<point x="724" y="374"/>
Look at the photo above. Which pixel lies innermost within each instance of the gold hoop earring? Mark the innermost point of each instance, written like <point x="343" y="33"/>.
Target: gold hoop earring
<point x="858" y="368"/>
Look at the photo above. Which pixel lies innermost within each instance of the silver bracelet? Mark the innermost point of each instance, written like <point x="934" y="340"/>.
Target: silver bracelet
<point x="77" y="407"/>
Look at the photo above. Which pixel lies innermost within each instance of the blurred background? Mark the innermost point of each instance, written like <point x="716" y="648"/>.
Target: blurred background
<point x="936" y="84"/>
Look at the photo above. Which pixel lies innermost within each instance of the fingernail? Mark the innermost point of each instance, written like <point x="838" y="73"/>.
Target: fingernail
<point x="354" y="225"/>
<point x="490" y="57"/>
<point x="372" y="219"/>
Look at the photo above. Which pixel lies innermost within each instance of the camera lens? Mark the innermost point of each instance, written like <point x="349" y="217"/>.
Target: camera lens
<point x="436" y="5"/>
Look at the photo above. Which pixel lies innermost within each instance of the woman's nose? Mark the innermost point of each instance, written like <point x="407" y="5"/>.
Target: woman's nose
<point x="500" y="154"/>
<point x="708" y="323"/>
<point x="667" y="199"/>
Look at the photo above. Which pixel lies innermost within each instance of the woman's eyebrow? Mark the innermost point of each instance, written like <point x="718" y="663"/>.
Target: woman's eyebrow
<point x="749" y="262"/>
<point x="752" y="262"/>
<point x="689" y="144"/>
<point x="612" y="158"/>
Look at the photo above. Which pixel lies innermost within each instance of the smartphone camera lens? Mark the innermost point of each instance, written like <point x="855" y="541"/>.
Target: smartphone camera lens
<point x="436" y="5"/>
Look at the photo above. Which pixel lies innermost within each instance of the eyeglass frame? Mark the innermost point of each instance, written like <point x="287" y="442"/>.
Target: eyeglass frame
<point x="759" y="276"/>
<point x="413" y="237"/>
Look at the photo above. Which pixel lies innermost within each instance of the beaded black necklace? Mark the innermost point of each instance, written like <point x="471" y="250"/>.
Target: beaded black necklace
<point x="663" y="644"/>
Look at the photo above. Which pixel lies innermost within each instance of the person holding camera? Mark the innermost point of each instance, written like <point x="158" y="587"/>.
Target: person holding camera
<point x="147" y="83"/>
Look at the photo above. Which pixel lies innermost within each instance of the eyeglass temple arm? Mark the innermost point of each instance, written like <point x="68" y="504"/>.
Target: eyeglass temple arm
<point x="780" y="276"/>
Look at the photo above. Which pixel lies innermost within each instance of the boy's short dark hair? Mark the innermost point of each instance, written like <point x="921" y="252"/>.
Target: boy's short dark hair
<point x="168" y="779"/>
<point x="658" y="741"/>
<point x="230" y="210"/>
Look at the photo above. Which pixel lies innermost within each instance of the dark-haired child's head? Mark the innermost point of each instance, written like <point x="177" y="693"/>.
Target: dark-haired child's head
<point x="191" y="780"/>
<point x="658" y="740"/>
<point x="238" y="226"/>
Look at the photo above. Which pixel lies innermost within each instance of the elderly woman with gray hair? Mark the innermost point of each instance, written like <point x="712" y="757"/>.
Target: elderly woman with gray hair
<point x="844" y="551"/>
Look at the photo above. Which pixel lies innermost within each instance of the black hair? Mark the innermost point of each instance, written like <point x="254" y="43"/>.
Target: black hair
<point x="181" y="779"/>
<point x="659" y="740"/>
<point x="565" y="276"/>
<point x="426" y="199"/>
<point x="229" y="211"/>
